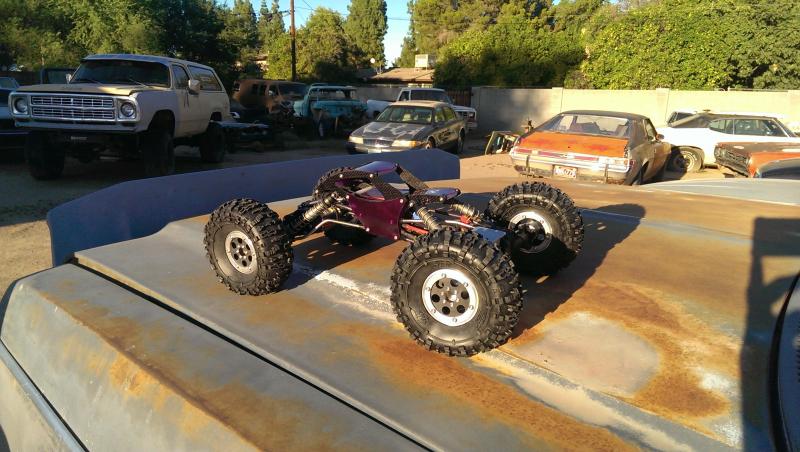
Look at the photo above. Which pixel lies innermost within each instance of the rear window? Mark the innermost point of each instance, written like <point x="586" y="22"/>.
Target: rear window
<point x="292" y="89"/>
<point x="582" y="124"/>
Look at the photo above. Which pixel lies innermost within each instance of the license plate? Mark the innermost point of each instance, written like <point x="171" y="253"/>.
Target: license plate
<point x="565" y="171"/>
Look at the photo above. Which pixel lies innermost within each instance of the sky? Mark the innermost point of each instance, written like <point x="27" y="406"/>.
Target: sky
<point x="396" y="11"/>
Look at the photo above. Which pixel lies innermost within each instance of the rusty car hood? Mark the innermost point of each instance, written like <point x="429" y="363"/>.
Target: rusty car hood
<point x="656" y="337"/>
<point x="565" y="142"/>
<point x="89" y="88"/>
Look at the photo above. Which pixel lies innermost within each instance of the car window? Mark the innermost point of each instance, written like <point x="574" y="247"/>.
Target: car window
<point x="431" y="94"/>
<point x="180" y="76"/>
<point x="262" y="89"/>
<point x="208" y="81"/>
<point x="236" y="87"/>
<point x="722" y="126"/>
<point x="757" y="127"/>
<point x="286" y="89"/>
<point x="651" y="131"/>
<point x="254" y="89"/>
<point x="407" y="114"/>
<point x="584" y="124"/>
<point x="440" y="117"/>
<point x="450" y="114"/>
<point x="404" y="95"/>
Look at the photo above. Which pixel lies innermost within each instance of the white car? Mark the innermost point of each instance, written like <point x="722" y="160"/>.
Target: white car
<point x="693" y="139"/>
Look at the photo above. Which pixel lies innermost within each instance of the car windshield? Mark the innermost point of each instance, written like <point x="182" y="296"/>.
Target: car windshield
<point x="122" y="72"/>
<point x="583" y="124"/>
<point x="332" y="93"/>
<point x="410" y="115"/>
<point x="429" y="94"/>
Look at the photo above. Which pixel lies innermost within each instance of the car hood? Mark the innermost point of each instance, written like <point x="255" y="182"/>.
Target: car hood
<point x="89" y="88"/>
<point x="392" y="130"/>
<point x="658" y="335"/>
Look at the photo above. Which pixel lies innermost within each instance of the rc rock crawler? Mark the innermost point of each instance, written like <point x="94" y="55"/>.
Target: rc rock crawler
<point x="455" y="288"/>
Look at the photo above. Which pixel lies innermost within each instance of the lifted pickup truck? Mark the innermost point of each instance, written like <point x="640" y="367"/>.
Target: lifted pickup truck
<point x="127" y="105"/>
<point x="375" y="107"/>
<point x="135" y="346"/>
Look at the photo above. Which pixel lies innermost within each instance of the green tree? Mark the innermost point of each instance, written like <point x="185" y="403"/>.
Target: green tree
<point x="365" y="28"/>
<point x="684" y="44"/>
<point x="270" y="24"/>
<point x="240" y="33"/>
<point x="323" y="48"/>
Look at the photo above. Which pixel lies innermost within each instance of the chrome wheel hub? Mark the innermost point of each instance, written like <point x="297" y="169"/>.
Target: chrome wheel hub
<point x="450" y="297"/>
<point x="241" y="252"/>
<point x="534" y="228"/>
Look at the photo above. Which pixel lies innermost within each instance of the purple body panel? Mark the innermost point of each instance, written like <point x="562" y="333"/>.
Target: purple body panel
<point x="379" y="167"/>
<point x="380" y="217"/>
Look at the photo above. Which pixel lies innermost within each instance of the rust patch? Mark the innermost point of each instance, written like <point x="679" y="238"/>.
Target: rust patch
<point x="150" y="366"/>
<point x="406" y="365"/>
<point x="683" y="341"/>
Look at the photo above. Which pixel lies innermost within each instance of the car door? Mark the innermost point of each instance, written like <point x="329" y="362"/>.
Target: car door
<point x="656" y="151"/>
<point x="183" y="121"/>
<point x="453" y="123"/>
<point x="210" y="99"/>
<point x="442" y="133"/>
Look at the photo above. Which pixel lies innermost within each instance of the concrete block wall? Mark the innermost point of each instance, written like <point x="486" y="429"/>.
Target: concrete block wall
<point x="510" y="108"/>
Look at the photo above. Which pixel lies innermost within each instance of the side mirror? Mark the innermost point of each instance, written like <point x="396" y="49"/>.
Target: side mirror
<point x="194" y="86"/>
<point x="69" y="78"/>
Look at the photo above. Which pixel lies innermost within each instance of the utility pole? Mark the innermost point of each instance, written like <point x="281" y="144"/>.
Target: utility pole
<point x="293" y="36"/>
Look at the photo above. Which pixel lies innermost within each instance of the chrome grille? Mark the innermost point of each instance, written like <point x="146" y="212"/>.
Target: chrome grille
<point x="735" y="157"/>
<point x="70" y="101"/>
<point x="377" y="142"/>
<point x="72" y="108"/>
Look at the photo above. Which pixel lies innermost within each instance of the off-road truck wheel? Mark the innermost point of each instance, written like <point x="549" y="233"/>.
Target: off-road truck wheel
<point x="343" y="235"/>
<point x="212" y="144"/>
<point x="248" y="248"/>
<point x="545" y="229"/>
<point x="456" y="293"/>
<point x="158" y="153"/>
<point x="45" y="161"/>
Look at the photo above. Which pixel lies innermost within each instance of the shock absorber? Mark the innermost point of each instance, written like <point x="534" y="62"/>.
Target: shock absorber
<point x="428" y="219"/>
<point x="301" y="222"/>
<point x="466" y="210"/>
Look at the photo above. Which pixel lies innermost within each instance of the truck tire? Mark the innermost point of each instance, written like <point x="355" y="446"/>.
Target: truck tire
<point x="158" y="153"/>
<point x="248" y="247"/>
<point x="545" y="229"/>
<point x="212" y="144"/>
<point x="342" y="235"/>
<point x="45" y="161"/>
<point x="456" y="293"/>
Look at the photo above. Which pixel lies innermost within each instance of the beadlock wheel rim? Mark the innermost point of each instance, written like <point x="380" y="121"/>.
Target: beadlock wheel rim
<point x="241" y="252"/>
<point x="532" y="222"/>
<point x="450" y="297"/>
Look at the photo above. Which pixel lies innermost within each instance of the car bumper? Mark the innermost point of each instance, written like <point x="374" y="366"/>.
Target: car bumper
<point x="27" y="421"/>
<point x="355" y="148"/>
<point x="585" y="171"/>
<point x="110" y="127"/>
<point x="728" y="160"/>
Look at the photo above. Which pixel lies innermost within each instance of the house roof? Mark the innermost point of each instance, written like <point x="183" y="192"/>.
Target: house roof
<point x="405" y="74"/>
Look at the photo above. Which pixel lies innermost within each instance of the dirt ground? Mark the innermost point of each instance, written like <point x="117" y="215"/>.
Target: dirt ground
<point x="24" y="202"/>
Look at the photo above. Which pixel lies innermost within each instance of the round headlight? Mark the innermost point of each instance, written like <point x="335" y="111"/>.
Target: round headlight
<point x="21" y="105"/>
<point x="127" y="110"/>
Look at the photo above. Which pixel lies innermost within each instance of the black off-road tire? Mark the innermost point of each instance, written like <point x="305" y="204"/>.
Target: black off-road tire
<point x="342" y="235"/>
<point x="45" y="160"/>
<point x="553" y="206"/>
<point x="158" y="153"/>
<point x="212" y="144"/>
<point x="271" y="252"/>
<point x="496" y="282"/>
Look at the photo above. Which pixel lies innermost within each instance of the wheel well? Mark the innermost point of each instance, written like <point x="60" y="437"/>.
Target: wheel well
<point x="164" y="120"/>
<point x="216" y="116"/>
